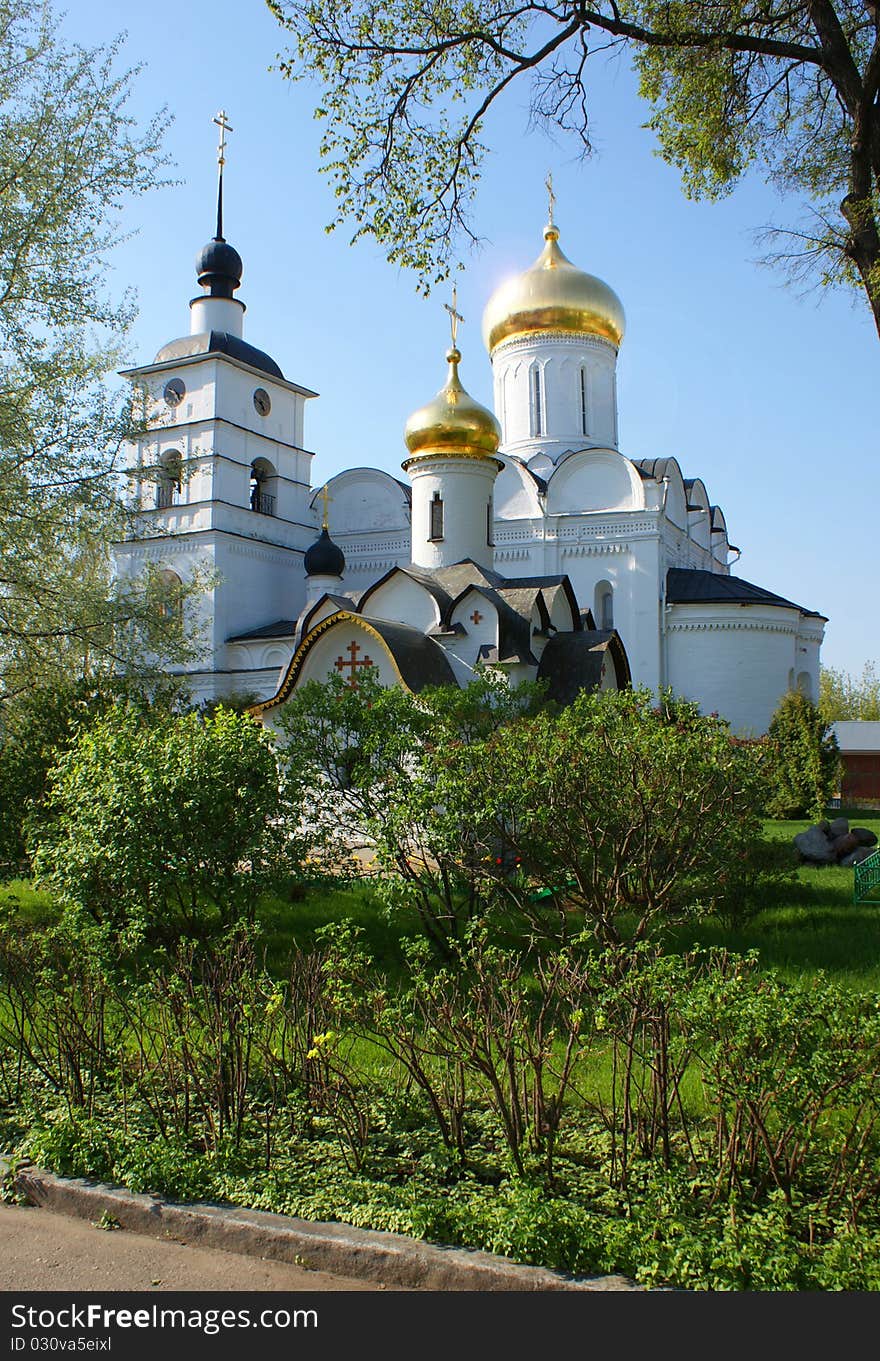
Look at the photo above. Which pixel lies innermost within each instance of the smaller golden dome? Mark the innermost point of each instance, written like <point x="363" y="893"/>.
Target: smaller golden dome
<point x="452" y="423"/>
<point x="554" y="295"/>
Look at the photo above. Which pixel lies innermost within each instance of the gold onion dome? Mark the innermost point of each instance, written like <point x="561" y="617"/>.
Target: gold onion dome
<point x="452" y="423"/>
<point x="554" y="295"/>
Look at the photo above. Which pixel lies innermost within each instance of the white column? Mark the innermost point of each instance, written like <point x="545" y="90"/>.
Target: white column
<point x="216" y="314"/>
<point x="463" y="488"/>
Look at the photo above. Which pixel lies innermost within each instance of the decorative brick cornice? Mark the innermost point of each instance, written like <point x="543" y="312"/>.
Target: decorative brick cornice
<point x="737" y="626"/>
<point x="524" y="343"/>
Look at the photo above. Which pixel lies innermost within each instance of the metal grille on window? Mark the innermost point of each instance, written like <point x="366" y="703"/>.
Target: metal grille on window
<point x="537" y="401"/>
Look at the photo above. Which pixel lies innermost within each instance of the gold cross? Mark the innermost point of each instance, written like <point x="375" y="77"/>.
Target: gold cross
<point x="352" y="662"/>
<point x="548" y="184"/>
<point x="454" y="316"/>
<point x="326" y="498"/>
<point x="225" y="126"/>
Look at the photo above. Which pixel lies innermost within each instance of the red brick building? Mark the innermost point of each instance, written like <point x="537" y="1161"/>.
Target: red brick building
<point x="860" y="754"/>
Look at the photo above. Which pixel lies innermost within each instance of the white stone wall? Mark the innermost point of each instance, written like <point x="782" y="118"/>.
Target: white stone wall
<point x="735" y="660"/>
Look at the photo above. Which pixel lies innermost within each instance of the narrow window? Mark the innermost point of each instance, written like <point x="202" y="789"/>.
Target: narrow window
<point x="489" y="524"/>
<point x="436" y="517"/>
<point x="537" y="403"/>
<point x="583" y="401"/>
<point x="607" y="610"/>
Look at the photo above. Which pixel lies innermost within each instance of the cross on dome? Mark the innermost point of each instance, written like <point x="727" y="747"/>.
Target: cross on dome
<point x="551" y="198"/>
<point x="454" y="317"/>
<point x="222" y="121"/>
<point x="225" y="126"/>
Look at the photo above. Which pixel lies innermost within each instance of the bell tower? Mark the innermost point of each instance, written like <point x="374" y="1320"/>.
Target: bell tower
<point x="220" y="475"/>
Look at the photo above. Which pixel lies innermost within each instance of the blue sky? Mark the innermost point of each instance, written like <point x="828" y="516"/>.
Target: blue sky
<point x="769" y="396"/>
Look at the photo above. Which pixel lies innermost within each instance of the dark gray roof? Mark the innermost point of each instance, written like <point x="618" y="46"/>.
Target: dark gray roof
<point x="524" y="599"/>
<point x="572" y="662"/>
<point x="460" y="575"/>
<point x="303" y="624"/>
<point x="691" y="586"/>
<point x="282" y="628"/>
<point x="654" y="468"/>
<point x="218" y="342"/>
<point x="420" y="660"/>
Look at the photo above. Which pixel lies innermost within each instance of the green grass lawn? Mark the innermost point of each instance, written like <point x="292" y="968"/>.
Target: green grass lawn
<point x="809" y="922"/>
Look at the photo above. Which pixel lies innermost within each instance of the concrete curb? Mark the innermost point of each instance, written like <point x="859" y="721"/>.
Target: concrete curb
<point x="338" y="1248"/>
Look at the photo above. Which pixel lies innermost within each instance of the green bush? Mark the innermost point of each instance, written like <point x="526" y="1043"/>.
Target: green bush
<point x="803" y="759"/>
<point x="156" y="825"/>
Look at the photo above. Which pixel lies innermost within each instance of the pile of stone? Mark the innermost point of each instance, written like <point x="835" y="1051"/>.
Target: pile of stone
<point x="835" y="843"/>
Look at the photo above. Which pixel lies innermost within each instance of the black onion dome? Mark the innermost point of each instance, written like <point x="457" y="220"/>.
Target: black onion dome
<point x="219" y="267"/>
<point x="324" y="558"/>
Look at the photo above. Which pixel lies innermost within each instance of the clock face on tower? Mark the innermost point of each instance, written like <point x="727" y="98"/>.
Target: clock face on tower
<point x="174" y="392"/>
<point x="262" y="401"/>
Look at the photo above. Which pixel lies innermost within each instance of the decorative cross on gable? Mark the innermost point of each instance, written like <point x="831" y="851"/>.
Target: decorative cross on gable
<point x="352" y="663"/>
<point x="476" y="617"/>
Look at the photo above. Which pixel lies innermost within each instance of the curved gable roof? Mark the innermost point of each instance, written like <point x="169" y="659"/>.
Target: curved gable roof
<point x="417" y="659"/>
<point x="427" y="580"/>
<point x="572" y="662"/>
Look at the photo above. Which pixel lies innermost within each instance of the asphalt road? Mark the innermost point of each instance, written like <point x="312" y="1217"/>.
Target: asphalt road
<point x="44" y="1251"/>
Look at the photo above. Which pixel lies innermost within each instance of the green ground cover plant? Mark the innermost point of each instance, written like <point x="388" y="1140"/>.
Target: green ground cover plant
<point x="691" y="1120"/>
<point x="494" y="1031"/>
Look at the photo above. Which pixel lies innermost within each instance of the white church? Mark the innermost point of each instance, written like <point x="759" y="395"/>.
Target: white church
<point x="523" y="540"/>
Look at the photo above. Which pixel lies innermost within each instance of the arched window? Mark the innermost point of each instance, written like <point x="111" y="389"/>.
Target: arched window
<point x="603" y="612"/>
<point x="582" y="375"/>
<point x="537" y="385"/>
<point x="168" y="479"/>
<point x="262" y="487"/>
<point x="170" y="596"/>
<point x="436" y="526"/>
<point x="805" y="684"/>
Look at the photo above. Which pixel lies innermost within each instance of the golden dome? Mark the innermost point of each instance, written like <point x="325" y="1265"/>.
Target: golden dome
<point x="452" y="423"/>
<point x="553" y="296"/>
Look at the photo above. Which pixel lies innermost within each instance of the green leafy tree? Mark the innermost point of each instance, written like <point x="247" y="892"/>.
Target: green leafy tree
<point x="155" y="825"/>
<point x="804" y="760"/>
<point x="407" y="88"/>
<point x="71" y="156"/>
<point x="37" y="726"/>
<point x="369" y="768"/>
<point x="617" y="815"/>
<point x="844" y="696"/>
